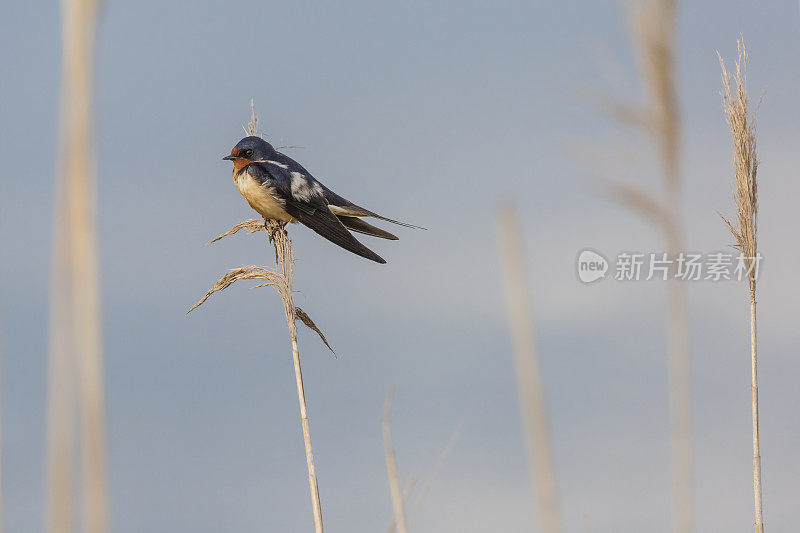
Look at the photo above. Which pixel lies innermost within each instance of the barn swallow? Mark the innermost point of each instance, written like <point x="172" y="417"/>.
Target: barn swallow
<point x="279" y="188"/>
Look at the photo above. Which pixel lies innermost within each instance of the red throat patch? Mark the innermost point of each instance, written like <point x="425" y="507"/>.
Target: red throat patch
<point x="239" y="163"/>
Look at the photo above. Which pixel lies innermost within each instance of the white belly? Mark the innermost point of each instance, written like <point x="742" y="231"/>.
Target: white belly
<point x="261" y="198"/>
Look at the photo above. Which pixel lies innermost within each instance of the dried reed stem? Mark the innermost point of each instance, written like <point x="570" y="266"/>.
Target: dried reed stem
<point x="282" y="282"/>
<point x="531" y="392"/>
<point x="391" y="465"/>
<point x="75" y="312"/>
<point x="745" y="165"/>
<point x="285" y="259"/>
<point x="283" y="250"/>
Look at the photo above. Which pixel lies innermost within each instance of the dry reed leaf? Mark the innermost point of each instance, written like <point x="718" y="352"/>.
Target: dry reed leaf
<point x="305" y="319"/>
<point x="630" y="114"/>
<point x="638" y="200"/>
<point x="240" y="274"/>
<point x="252" y="226"/>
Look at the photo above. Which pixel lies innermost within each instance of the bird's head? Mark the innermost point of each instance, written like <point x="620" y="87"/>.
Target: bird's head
<point x="249" y="150"/>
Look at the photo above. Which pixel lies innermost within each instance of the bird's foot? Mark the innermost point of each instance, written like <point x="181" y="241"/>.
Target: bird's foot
<point x="273" y="227"/>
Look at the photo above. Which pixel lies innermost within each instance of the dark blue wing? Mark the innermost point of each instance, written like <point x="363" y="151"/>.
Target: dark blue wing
<point x="348" y="208"/>
<point x="305" y="201"/>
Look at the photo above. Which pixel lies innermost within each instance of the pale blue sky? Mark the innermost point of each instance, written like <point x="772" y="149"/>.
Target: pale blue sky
<point x="430" y="112"/>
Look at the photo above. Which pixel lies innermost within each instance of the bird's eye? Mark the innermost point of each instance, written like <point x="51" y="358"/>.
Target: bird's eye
<point x="248" y="153"/>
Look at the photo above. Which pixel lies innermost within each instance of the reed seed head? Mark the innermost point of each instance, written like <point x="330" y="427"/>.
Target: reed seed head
<point x="736" y="102"/>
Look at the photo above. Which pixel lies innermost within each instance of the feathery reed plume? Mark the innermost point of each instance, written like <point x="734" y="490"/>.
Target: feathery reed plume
<point x="391" y="465"/>
<point x="252" y="127"/>
<point x="529" y="385"/>
<point x="653" y="29"/>
<point x="75" y="344"/>
<point x="282" y="281"/>
<point x="251" y="226"/>
<point x="745" y="230"/>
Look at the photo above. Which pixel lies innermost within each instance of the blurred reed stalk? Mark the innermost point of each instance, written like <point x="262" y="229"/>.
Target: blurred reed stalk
<point x="745" y="195"/>
<point x="434" y="472"/>
<point x="282" y="282"/>
<point x="394" y="478"/>
<point x="529" y="385"/>
<point x="396" y="493"/>
<point x="407" y="490"/>
<point x="75" y="342"/>
<point x="653" y="30"/>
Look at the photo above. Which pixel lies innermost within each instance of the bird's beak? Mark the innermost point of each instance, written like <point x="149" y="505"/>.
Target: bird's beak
<point x="229" y="157"/>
